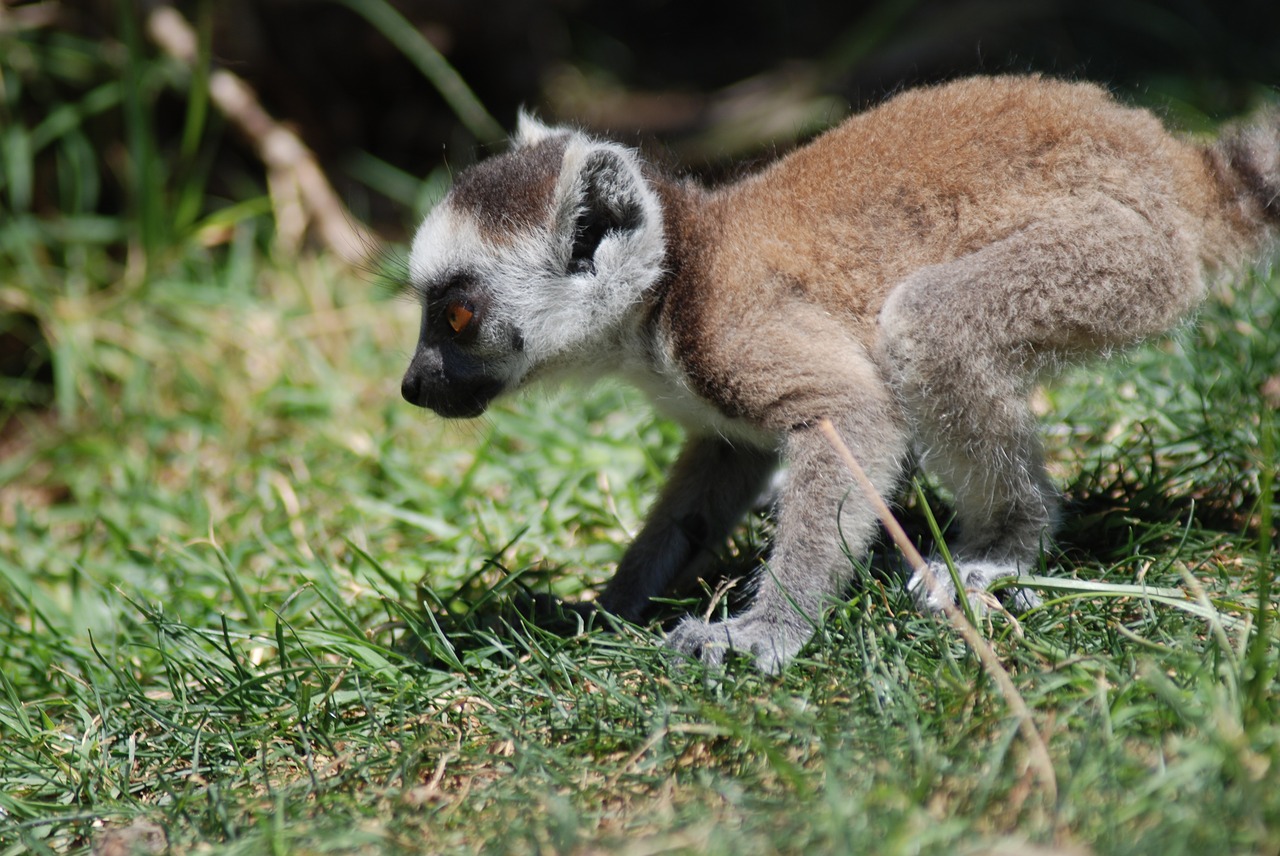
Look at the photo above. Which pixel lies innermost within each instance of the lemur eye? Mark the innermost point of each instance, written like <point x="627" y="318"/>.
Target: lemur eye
<point x="458" y="315"/>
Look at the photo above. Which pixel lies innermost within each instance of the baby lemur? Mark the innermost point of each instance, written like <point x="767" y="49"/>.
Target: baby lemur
<point x="908" y="275"/>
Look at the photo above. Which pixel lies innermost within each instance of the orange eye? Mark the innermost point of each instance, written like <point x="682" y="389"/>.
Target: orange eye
<point x="458" y="315"/>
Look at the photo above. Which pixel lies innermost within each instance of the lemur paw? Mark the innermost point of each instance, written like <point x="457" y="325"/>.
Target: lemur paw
<point x="769" y="642"/>
<point x="977" y="577"/>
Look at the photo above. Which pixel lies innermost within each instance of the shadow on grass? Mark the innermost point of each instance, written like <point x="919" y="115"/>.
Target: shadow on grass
<point x="1135" y="503"/>
<point x="1141" y="502"/>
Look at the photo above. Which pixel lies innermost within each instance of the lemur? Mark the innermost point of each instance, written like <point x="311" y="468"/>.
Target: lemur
<point x="908" y="275"/>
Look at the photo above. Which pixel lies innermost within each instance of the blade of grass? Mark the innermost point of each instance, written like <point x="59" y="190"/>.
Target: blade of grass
<point x="252" y="615"/>
<point x="66" y="117"/>
<point x="402" y="591"/>
<point x="189" y="172"/>
<point x="16" y="154"/>
<point x="432" y="64"/>
<point x="145" y="181"/>
<point x="962" y="596"/>
<point x="1177" y="598"/>
<point x="1259" y="681"/>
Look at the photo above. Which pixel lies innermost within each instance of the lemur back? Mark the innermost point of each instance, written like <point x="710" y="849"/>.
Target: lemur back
<point x="908" y="275"/>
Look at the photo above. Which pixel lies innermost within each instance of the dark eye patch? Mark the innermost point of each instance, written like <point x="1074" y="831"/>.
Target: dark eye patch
<point x="451" y="285"/>
<point x="454" y="305"/>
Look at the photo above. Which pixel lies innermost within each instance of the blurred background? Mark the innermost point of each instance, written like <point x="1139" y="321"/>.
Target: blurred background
<point x="119" y="153"/>
<point x="714" y="80"/>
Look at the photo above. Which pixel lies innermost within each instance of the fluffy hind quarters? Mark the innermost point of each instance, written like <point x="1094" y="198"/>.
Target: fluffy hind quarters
<point x="964" y="342"/>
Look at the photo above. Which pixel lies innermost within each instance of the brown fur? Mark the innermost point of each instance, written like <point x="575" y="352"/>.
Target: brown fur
<point x="933" y="175"/>
<point x="508" y="193"/>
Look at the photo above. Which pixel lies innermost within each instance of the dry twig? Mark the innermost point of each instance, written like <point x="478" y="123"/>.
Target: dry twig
<point x="1040" y="760"/>
<point x="300" y="193"/>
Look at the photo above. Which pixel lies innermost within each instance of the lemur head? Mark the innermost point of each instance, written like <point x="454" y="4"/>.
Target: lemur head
<point x="535" y="262"/>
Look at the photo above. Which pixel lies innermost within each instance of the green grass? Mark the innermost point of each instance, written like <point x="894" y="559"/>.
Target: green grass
<point x="248" y="594"/>
<point x="212" y="579"/>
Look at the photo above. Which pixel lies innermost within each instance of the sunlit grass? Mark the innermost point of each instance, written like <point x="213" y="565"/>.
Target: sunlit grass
<point x="251" y="596"/>
<point x="213" y="577"/>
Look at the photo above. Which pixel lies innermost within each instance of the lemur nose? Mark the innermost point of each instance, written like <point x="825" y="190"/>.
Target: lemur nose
<point x="411" y="389"/>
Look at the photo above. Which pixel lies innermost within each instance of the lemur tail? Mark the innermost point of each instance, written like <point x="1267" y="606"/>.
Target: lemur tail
<point x="1251" y="152"/>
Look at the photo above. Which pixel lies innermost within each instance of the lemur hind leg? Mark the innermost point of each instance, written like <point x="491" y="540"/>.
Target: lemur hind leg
<point x="965" y="341"/>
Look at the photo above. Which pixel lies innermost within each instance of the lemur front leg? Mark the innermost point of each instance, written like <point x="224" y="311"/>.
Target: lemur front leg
<point x="712" y="485"/>
<point x="821" y="513"/>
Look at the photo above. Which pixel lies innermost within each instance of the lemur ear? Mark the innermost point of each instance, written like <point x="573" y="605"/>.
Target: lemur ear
<point x="531" y="131"/>
<point x="606" y="195"/>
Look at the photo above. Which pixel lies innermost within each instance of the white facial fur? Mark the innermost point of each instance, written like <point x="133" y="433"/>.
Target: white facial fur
<point x="565" y="317"/>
